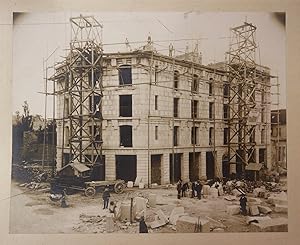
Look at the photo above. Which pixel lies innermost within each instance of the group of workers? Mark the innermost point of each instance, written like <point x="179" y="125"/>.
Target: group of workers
<point x="183" y="187"/>
<point x="196" y="187"/>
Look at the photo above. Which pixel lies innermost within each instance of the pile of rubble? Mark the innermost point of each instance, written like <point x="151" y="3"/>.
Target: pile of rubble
<point x="259" y="207"/>
<point x="42" y="187"/>
<point x="30" y="172"/>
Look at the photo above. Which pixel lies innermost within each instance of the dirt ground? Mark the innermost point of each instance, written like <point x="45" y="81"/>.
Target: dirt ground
<point x="33" y="212"/>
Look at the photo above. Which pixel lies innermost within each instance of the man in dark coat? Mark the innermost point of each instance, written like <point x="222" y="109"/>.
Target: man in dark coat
<point x="105" y="196"/>
<point x="184" y="188"/>
<point x="243" y="204"/>
<point x="198" y="188"/>
<point x="143" y="227"/>
<point x="193" y="189"/>
<point x="179" y="185"/>
<point x="63" y="203"/>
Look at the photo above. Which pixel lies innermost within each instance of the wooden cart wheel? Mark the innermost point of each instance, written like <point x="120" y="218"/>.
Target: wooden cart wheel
<point x="90" y="191"/>
<point x="119" y="187"/>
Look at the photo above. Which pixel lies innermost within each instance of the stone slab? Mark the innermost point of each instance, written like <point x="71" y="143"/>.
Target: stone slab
<point x="188" y="224"/>
<point x="277" y="200"/>
<point x="254" y="211"/>
<point x="256" y="219"/>
<point x="273" y="225"/>
<point x="205" y="190"/>
<point x="264" y="209"/>
<point x="175" y="214"/>
<point x="160" y="220"/>
<point x="152" y="200"/>
<point x="281" y="208"/>
<point x="233" y="209"/>
<point x="213" y="193"/>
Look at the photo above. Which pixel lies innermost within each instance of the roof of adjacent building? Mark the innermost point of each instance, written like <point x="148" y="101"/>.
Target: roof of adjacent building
<point x="80" y="167"/>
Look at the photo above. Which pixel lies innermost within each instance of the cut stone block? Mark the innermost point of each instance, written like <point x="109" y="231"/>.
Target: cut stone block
<point x="258" y="192"/>
<point x="175" y="214"/>
<point x="109" y="224"/>
<point x="129" y="184"/>
<point x="140" y="204"/>
<point x="264" y="209"/>
<point x="188" y="224"/>
<point x="160" y="220"/>
<point x="281" y="208"/>
<point x="254" y="210"/>
<point x="137" y="181"/>
<point x="230" y="198"/>
<point x="205" y="190"/>
<point x="256" y="219"/>
<point x="152" y="200"/>
<point x="218" y="230"/>
<point x="254" y="200"/>
<point x="221" y="191"/>
<point x="275" y="225"/>
<point x="125" y="211"/>
<point x="236" y="193"/>
<point x="276" y="200"/>
<point x="213" y="193"/>
<point x="233" y="209"/>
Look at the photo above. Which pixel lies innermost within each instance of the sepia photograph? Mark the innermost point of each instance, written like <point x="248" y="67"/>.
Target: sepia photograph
<point x="148" y="122"/>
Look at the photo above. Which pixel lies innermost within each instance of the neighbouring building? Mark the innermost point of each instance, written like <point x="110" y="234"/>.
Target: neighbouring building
<point x="278" y="138"/>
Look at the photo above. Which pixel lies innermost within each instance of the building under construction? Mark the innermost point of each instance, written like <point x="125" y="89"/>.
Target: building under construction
<point x="161" y="117"/>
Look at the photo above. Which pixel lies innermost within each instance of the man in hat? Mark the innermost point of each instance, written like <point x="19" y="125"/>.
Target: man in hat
<point x="142" y="226"/>
<point x="243" y="204"/>
<point x="106" y="196"/>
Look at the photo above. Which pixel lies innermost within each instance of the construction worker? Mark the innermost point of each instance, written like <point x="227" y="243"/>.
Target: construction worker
<point x="193" y="188"/>
<point x="106" y="196"/>
<point x="63" y="203"/>
<point x="112" y="207"/>
<point x="198" y="188"/>
<point x="243" y="204"/>
<point x="142" y="226"/>
<point x="179" y="185"/>
<point x="184" y="188"/>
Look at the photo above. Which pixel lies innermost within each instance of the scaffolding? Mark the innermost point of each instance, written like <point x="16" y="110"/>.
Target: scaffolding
<point x="243" y="80"/>
<point x="80" y="76"/>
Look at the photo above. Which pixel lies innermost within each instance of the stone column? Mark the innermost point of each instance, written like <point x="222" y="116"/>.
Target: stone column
<point x="218" y="167"/>
<point x="202" y="165"/>
<point x="185" y="166"/>
<point x="142" y="167"/>
<point x="165" y="169"/>
<point x="110" y="167"/>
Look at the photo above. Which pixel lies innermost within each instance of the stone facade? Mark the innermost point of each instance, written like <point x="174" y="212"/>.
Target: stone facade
<point x="152" y="119"/>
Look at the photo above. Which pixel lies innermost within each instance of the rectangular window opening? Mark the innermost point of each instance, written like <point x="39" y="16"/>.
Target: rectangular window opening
<point x="125" y="105"/>
<point x="226" y="136"/>
<point x="176" y="107"/>
<point x="194" y="135"/>
<point x="126" y="136"/>
<point x="176" y="79"/>
<point x="125" y="75"/>
<point x="211" y="110"/>
<point x="156" y="102"/>
<point x="175" y="136"/>
<point x="194" y="108"/>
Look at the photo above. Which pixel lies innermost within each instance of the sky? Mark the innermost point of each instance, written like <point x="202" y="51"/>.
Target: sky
<point x="42" y="39"/>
